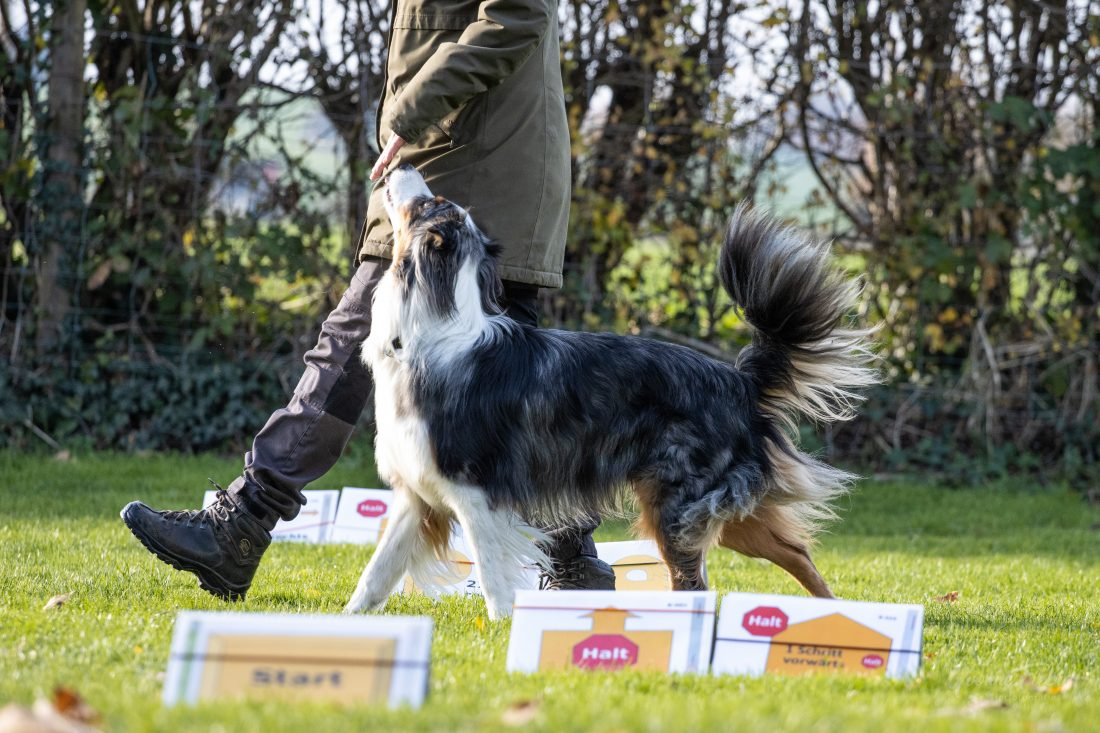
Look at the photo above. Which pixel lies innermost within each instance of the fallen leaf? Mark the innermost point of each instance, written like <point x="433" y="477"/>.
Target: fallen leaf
<point x="42" y="718"/>
<point x="1049" y="690"/>
<point x="70" y="704"/>
<point x="520" y="713"/>
<point x="57" y="601"/>
<point x="947" y="597"/>
<point x="51" y="720"/>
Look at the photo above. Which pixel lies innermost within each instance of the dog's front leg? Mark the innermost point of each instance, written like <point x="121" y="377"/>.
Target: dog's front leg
<point x="399" y="543"/>
<point x="501" y="547"/>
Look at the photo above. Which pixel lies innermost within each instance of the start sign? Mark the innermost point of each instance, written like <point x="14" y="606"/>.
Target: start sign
<point x="319" y="658"/>
<point x="605" y="651"/>
<point x="764" y="621"/>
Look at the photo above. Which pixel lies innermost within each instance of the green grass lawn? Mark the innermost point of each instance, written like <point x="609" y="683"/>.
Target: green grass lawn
<point x="1027" y="618"/>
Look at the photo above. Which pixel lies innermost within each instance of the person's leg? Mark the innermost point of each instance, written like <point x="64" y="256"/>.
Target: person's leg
<point x="571" y="549"/>
<point x="222" y="544"/>
<point x="303" y="440"/>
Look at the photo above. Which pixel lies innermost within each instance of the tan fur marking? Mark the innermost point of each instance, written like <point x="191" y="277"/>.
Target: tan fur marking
<point x="437" y="532"/>
<point x="771" y="534"/>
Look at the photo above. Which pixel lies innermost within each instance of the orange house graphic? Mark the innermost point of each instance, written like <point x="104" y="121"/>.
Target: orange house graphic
<point x="833" y="643"/>
<point x="641" y="572"/>
<point x="607" y="645"/>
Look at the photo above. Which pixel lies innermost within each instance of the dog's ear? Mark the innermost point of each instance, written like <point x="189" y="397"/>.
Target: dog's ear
<point x="434" y="238"/>
<point x="488" y="280"/>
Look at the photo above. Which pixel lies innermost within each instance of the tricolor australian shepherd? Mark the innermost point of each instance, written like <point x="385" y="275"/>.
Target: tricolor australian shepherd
<point x="504" y="426"/>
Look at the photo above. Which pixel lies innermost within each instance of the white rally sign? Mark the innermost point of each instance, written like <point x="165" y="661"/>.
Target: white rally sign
<point x="346" y="659"/>
<point x="362" y="515"/>
<point x="608" y="630"/>
<point x="798" y="635"/>
<point x="638" y="564"/>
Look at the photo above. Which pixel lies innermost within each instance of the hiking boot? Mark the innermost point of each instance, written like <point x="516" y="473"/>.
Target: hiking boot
<point x="221" y="544"/>
<point x="581" y="572"/>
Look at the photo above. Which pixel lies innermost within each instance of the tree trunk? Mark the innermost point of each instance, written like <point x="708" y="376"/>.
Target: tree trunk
<point x="61" y="196"/>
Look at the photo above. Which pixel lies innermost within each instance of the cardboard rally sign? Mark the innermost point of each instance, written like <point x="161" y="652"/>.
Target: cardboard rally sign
<point x="362" y="515"/>
<point x="348" y="659"/>
<point x="609" y="630"/>
<point x="314" y="520"/>
<point x="797" y="635"/>
<point x="459" y="575"/>
<point x="638" y="565"/>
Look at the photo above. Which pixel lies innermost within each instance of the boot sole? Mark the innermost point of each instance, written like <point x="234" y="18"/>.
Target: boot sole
<point x="209" y="580"/>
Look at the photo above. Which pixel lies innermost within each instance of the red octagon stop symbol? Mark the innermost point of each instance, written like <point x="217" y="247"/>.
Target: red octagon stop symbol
<point x="371" y="508"/>
<point x="764" y="621"/>
<point x="605" y="651"/>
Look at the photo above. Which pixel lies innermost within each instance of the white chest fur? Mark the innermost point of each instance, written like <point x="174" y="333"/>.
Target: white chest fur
<point x="403" y="450"/>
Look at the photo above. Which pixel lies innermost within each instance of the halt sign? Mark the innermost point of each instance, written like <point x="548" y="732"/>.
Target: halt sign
<point x="362" y="515"/>
<point x="798" y="635"/>
<point x="610" y="630"/>
<point x="346" y="659"/>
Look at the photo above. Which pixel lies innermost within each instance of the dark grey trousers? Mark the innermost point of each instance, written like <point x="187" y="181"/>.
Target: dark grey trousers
<point x="303" y="440"/>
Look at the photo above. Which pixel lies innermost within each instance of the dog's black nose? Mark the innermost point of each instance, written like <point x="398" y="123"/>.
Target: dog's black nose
<point x="405" y="167"/>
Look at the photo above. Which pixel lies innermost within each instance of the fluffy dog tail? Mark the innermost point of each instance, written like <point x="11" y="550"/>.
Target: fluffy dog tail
<point x="804" y="360"/>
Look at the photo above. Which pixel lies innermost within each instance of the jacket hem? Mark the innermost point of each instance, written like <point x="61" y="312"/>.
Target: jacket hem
<point x="527" y="275"/>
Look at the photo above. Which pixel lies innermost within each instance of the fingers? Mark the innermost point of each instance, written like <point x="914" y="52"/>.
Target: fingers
<point x="386" y="157"/>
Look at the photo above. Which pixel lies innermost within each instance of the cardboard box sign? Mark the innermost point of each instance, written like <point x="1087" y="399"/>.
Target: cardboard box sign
<point x="798" y="635"/>
<point x="313" y="523"/>
<point x="610" y="630"/>
<point x="347" y="659"/>
<point x="638" y="565"/>
<point x="362" y="515"/>
<point x="459" y="577"/>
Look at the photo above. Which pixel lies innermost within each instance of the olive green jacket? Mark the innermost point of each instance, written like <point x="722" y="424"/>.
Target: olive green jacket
<point x="474" y="88"/>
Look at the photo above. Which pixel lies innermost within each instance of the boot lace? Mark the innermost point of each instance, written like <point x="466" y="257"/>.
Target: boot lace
<point x="219" y="509"/>
<point x="562" y="574"/>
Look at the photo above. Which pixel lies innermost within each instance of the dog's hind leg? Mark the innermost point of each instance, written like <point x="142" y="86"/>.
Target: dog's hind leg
<point x="683" y="546"/>
<point x="501" y="546"/>
<point x="400" y="545"/>
<point x="769" y="534"/>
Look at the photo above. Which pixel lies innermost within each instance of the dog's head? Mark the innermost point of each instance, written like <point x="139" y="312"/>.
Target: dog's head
<point x="438" y="251"/>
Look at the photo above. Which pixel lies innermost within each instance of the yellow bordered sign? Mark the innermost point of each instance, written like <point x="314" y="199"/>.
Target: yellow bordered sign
<point x="347" y="659"/>
<point x="611" y="630"/>
<point x="760" y="634"/>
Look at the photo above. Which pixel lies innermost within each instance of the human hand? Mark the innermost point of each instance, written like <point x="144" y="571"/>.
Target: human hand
<point x="384" y="160"/>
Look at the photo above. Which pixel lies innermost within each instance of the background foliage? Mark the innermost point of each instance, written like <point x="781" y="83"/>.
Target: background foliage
<point x="183" y="183"/>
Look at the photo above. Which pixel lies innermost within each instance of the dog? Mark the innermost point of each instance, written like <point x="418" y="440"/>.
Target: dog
<point x="504" y="427"/>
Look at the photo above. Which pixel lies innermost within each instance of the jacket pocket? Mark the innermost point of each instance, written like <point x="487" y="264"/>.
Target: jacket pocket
<point x="463" y="126"/>
<point x="435" y="15"/>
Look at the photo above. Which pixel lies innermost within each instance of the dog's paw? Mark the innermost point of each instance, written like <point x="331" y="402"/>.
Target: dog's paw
<point x="499" y="613"/>
<point x="356" y="605"/>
